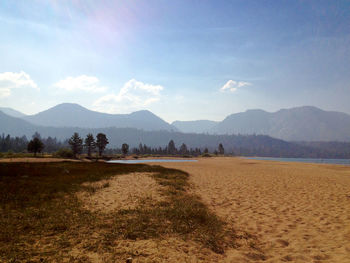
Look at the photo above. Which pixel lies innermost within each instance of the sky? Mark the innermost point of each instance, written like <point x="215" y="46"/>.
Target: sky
<point x="182" y="60"/>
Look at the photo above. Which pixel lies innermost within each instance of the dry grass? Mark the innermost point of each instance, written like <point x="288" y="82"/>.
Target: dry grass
<point x="42" y="219"/>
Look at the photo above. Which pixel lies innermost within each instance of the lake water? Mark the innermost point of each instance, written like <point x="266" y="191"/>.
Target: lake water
<point x="152" y="161"/>
<point x="303" y="160"/>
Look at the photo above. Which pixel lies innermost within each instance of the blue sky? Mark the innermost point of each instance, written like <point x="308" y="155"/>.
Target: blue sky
<point x="182" y="60"/>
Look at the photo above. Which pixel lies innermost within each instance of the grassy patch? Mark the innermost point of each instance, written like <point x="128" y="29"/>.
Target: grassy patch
<point x="41" y="217"/>
<point x="182" y="214"/>
<point x="11" y="154"/>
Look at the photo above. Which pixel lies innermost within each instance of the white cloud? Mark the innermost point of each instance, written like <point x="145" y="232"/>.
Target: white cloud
<point x="4" y="92"/>
<point x="134" y="95"/>
<point x="232" y="85"/>
<point x="13" y="80"/>
<point x="80" y="83"/>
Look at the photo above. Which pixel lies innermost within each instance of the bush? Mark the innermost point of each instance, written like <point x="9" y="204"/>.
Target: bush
<point x="64" y="153"/>
<point x="206" y="155"/>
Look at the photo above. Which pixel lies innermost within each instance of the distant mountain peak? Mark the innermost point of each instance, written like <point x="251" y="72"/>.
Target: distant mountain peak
<point x="139" y="112"/>
<point x="69" y="106"/>
<point x="256" y="111"/>
<point x="75" y="115"/>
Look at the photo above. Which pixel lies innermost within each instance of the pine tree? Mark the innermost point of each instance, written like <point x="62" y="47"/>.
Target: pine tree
<point x="101" y="142"/>
<point x="35" y="146"/>
<point x="171" y="147"/>
<point x="221" y="149"/>
<point x="76" y="143"/>
<point x="90" y="143"/>
<point x="183" y="149"/>
<point x="125" y="148"/>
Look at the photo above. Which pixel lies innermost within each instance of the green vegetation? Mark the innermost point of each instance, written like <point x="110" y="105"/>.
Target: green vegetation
<point x="125" y="148"/>
<point x="35" y="146"/>
<point x="101" y="143"/>
<point x="90" y="144"/>
<point x="64" y="153"/>
<point x="41" y="217"/>
<point x="76" y="143"/>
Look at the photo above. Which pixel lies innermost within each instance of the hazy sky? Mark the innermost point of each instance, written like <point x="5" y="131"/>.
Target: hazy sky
<point x="182" y="60"/>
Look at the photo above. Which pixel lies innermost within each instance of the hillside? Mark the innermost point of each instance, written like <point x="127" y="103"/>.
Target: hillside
<point x="12" y="112"/>
<point x="200" y="126"/>
<point x="15" y="126"/>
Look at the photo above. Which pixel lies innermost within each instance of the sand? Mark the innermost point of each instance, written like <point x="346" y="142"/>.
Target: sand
<point x="290" y="211"/>
<point x="121" y="192"/>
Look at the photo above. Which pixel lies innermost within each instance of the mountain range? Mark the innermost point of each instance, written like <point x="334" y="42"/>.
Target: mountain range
<point x="296" y="124"/>
<point x="74" y="115"/>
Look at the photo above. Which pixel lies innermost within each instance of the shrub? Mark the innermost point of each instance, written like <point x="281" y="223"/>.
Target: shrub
<point x="64" y="153"/>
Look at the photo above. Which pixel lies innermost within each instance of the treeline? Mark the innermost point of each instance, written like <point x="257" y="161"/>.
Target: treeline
<point x="141" y="142"/>
<point x="90" y="145"/>
<point x="20" y="144"/>
<point x="335" y="150"/>
<point x="169" y="149"/>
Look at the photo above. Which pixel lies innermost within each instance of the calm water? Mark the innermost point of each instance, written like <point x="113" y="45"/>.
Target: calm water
<point x="304" y="160"/>
<point x="152" y="161"/>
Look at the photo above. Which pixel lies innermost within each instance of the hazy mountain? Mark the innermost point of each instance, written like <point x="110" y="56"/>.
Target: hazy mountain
<point x="12" y="112"/>
<point x="296" y="124"/>
<point x="249" y="122"/>
<point x="15" y="126"/>
<point x="201" y="126"/>
<point x="248" y="145"/>
<point x="74" y="115"/>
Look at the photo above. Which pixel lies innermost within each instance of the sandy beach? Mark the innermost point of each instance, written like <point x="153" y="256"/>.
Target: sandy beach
<point x="289" y="211"/>
<point x="280" y="212"/>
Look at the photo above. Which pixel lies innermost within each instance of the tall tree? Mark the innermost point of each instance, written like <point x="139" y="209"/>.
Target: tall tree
<point x="101" y="142"/>
<point x="125" y="148"/>
<point x="221" y="149"/>
<point x="90" y="143"/>
<point x="35" y="146"/>
<point x="183" y="149"/>
<point x="171" y="147"/>
<point x="76" y="143"/>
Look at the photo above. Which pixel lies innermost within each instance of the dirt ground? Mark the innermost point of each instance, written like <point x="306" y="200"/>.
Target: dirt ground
<point x="294" y="212"/>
